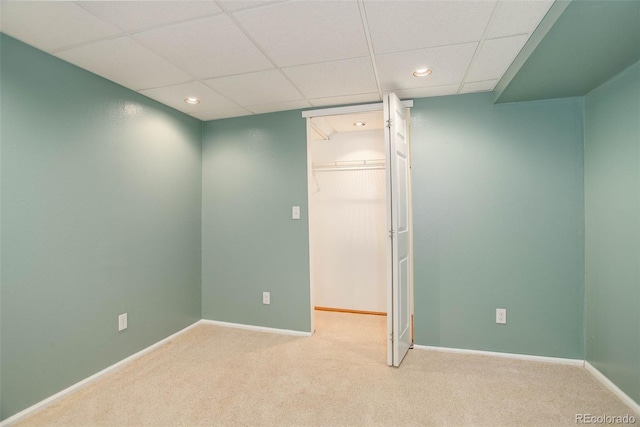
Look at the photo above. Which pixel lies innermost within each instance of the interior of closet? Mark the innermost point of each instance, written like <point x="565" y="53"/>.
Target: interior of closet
<point x="347" y="212"/>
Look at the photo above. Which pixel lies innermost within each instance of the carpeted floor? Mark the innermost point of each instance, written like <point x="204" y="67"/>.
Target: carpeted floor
<point x="215" y="376"/>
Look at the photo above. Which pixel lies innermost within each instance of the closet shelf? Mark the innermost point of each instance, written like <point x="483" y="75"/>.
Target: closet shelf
<point x="350" y="165"/>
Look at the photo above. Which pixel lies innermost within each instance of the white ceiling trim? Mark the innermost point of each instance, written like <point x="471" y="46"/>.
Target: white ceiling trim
<point x="367" y="34"/>
<point x="322" y="112"/>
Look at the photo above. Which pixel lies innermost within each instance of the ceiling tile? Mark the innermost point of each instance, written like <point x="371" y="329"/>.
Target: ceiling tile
<point x="125" y="62"/>
<point x="485" y="86"/>
<point x="426" y="92"/>
<point x="278" y="106"/>
<point x="344" y="100"/>
<point x="137" y="15"/>
<point x="256" y="88"/>
<point x="517" y="17"/>
<point x="449" y="65"/>
<point x="175" y="95"/>
<point x="221" y="113"/>
<point x="304" y="32"/>
<point x="53" y="25"/>
<point x="494" y="58"/>
<point x="405" y="25"/>
<point x="206" y="48"/>
<point x="346" y="77"/>
<point x="244" y="4"/>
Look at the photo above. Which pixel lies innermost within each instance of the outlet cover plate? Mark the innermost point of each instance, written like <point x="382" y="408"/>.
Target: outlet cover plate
<point x="501" y="316"/>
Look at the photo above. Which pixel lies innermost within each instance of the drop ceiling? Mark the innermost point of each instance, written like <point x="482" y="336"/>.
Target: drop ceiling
<point x="250" y="57"/>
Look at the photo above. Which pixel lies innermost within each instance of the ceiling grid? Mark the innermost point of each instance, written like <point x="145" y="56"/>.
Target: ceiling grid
<point x="250" y="57"/>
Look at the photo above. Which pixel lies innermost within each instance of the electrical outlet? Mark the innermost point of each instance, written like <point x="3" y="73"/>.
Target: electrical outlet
<point x="266" y="298"/>
<point x="501" y="316"/>
<point x="122" y="322"/>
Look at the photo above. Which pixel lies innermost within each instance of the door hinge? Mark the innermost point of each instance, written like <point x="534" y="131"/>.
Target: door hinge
<point x="391" y="234"/>
<point x="389" y="123"/>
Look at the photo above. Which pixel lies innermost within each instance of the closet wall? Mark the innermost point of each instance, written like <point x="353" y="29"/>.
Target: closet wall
<point x="348" y="222"/>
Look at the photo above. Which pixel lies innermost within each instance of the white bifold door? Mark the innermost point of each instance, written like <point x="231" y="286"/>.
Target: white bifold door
<point x="398" y="244"/>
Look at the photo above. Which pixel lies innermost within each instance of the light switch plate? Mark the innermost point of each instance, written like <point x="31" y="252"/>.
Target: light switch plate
<point x="295" y="212"/>
<point x="122" y="322"/>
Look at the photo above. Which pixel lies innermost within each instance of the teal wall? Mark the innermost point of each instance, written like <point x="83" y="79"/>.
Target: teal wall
<point x="612" y="229"/>
<point x="498" y="223"/>
<point x="100" y="215"/>
<point x="253" y="170"/>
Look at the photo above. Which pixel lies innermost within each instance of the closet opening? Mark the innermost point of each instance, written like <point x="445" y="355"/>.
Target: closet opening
<point x="360" y="226"/>
<point x="347" y="227"/>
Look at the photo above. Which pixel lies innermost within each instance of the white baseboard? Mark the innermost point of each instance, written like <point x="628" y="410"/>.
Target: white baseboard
<point x="256" y="328"/>
<point x="546" y="359"/>
<point x="49" y="400"/>
<point x="614" y="388"/>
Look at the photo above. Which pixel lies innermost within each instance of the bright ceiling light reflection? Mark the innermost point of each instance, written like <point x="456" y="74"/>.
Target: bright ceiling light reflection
<point x="422" y="72"/>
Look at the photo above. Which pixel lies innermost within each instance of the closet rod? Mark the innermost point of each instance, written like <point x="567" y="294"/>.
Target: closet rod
<point x="360" y="168"/>
<point x="354" y="165"/>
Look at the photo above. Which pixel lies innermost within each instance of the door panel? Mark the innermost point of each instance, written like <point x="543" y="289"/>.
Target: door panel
<point x="399" y="301"/>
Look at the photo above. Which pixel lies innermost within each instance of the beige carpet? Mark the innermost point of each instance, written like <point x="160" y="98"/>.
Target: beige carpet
<point x="214" y="376"/>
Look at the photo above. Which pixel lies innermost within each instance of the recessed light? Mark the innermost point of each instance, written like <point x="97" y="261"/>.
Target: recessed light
<point x="192" y="100"/>
<point x="359" y="124"/>
<point x="422" y="72"/>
